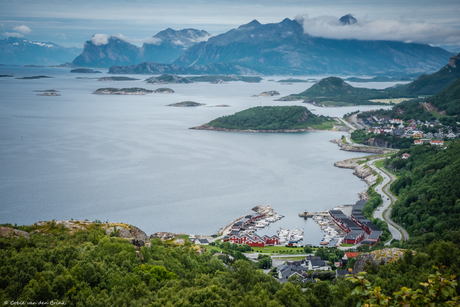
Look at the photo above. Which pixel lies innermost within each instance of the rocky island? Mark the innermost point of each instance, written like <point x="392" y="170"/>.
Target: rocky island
<point x="48" y="93"/>
<point x="219" y="79"/>
<point x="34" y="77"/>
<point x="131" y="91"/>
<point x="167" y="79"/>
<point x="270" y="119"/>
<point x="122" y="91"/>
<point x="186" y="104"/>
<point x="269" y="93"/>
<point x="116" y="79"/>
<point x="85" y="71"/>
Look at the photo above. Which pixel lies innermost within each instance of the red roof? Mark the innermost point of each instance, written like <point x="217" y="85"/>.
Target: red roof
<point x="351" y="255"/>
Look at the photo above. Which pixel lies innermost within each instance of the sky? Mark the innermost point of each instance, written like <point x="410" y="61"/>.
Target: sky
<point x="72" y="22"/>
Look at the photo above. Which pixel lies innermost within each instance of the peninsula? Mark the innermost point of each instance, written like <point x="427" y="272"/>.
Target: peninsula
<point x="270" y="119"/>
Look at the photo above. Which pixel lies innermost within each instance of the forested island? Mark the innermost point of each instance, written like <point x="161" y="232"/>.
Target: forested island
<point x="270" y="119"/>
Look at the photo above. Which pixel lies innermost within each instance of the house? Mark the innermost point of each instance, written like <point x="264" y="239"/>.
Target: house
<point x="318" y="265"/>
<point x="417" y="135"/>
<point x="437" y="143"/>
<point x="291" y="268"/>
<point x="428" y="135"/>
<point x="397" y="121"/>
<point x="418" y="142"/>
<point x="354" y="237"/>
<point x="200" y="241"/>
<point x="405" y="156"/>
<point x="451" y="135"/>
<point x="273" y="240"/>
<point x="351" y="255"/>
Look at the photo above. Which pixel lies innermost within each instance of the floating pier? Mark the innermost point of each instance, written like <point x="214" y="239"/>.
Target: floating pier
<point x="307" y="214"/>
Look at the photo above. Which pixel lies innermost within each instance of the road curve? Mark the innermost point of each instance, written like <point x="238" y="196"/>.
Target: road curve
<point x="397" y="232"/>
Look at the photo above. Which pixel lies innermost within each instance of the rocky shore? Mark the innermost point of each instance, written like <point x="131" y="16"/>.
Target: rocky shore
<point x="360" y="170"/>
<point x="346" y="147"/>
<point x="208" y="127"/>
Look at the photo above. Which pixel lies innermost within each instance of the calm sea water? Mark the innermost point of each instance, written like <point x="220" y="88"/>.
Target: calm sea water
<point x="133" y="159"/>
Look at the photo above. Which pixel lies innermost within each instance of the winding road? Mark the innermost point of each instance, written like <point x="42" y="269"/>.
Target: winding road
<point x="384" y="210"/>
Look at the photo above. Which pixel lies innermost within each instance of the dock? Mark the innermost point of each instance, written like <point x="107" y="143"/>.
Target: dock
<point x="307" y="214"/>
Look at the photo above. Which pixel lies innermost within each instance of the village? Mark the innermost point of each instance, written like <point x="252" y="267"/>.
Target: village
<point x="345" y="227"/>
<point x="433" y="132"/>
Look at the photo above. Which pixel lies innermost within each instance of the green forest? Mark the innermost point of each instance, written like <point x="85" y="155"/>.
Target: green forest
<point x="428" y="190"/>
<point x="273" y="118"/>
<point x="90" y="268"/>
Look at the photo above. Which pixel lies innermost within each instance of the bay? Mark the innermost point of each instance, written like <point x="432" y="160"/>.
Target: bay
<point x="133" y="159"/>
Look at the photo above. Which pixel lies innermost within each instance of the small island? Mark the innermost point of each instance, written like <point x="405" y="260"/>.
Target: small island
<point x="34" y="77"/>
<point x="164" y="90"/>
<point x="85" y="71"/>
<point x="122" y="91"/>
<point x="6" y="76"/>
<point x="270" y="119"/>
<point x="269" y="93"/>
<point x="167" y="79"/>
<point x="186" y="104"/>
<point x="219" y="79"/>
<point x="116" y="79"/>
<point x="48" y="93"/>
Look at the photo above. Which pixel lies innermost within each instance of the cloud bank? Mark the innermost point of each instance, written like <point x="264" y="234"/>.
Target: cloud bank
<point x="22" y="29"/>
<point x="19" y="31"/>
<point x="12" y="34"/>
<point x="100" y="39"/>
<point x="103" y="39"/>
<point x="380" y="29"/>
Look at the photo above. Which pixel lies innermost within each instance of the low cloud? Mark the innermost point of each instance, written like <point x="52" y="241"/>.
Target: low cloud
<point x="12" y="34"/>
<point x="148" y="40"/>
<point x="380" y="29"/>
<point x="100" y="39"/>
<point x="22" y="29"/>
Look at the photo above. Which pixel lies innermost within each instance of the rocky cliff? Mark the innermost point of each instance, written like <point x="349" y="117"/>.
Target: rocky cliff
<point x="378" y="257"/>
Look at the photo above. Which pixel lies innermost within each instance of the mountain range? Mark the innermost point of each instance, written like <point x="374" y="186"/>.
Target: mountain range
<point x="164" y="47"/>
<point x="282" y="48"/>
<point x="18" y="51"/>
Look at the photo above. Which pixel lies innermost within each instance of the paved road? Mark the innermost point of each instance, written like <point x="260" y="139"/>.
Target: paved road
<point x="354" y="119"/>
<point x="346" y="123"/>
<point x="397" y="232"/>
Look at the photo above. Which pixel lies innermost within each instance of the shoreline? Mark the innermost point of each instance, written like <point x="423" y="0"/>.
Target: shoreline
<point x="211" y="128"/>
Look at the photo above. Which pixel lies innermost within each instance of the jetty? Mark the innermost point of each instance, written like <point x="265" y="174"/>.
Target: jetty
<point x="307" y="214"/>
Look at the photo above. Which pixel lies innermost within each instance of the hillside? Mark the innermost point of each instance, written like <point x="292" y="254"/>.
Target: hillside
<point x="90" y="266"/>
<point x="448" y="100"/>
<point x="434" y="83"/>
<point x="337" y="92"/>
<point x="428" y="190"/>
<point x="273" y="119"/>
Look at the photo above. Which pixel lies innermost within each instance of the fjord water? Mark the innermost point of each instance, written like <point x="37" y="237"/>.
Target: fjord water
<point x="133" y="159"/>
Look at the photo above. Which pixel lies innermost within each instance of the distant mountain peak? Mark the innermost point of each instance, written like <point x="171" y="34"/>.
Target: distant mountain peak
<point x="348" y="20"/>
<point x="454" y="60"/>
<point x="252" y="24"/>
